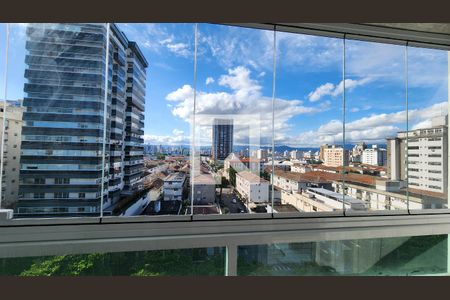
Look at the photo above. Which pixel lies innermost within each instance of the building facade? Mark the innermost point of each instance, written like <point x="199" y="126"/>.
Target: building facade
<point x="252" y="187"/>
<point x="427" y="157"/>
<point x="374" y="156"/>
<point x="175" y="187"/>
<point x="11" y="152"/>
<point x="63" y="122"/>
<point x="222" y="138"/>
<point x="335" y="156"/>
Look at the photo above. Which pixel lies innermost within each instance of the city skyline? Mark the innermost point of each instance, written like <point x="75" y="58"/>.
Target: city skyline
<point x="308" y="107"/>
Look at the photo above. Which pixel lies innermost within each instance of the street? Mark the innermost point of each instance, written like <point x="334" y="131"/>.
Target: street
<point x="227" y="198"/>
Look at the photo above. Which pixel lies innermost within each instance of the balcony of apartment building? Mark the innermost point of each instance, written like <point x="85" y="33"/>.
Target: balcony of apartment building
<point x="342" y="222"/>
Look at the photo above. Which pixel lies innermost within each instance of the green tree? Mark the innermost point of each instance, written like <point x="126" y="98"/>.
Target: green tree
<point x="232" y="175"/>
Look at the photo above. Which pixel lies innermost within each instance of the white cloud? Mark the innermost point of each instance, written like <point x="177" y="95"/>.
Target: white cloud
<point x="229" y="46"/>
<point x="324" y="89"/>
<point x="179" y="49"/>
<point x="158" y="38"/>
<point x="374" y="128"/>
<point x="244" y="102"/>
<point x="329" y="89"/>
<point x="209" y="80"/>
<point x="180" y="94"/>
<point x="177" y="138"/>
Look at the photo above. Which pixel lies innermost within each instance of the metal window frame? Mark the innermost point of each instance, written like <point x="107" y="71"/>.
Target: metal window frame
<point x="29" y="237"/>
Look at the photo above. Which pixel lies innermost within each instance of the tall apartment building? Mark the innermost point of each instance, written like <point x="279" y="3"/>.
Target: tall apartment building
<point x="11" y="152"/>
<point x="322" y="151"/>
<point x="62" y="135"/>
<point x="423" y="159"/>
<point x="335" y="156"/>
<point x="135" y="107"/>
<point x="374" y="156"/>
<point x="222" y="138"/>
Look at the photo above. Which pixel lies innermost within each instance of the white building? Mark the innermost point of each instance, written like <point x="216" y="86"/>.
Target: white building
<point x="301" y="168"/>
<point x="374" y="156"/>
<point x="252" y="187"/>
<point x="427" y="152"/>
<point x="245" y="164"/>
<point x="175" y="185"/>
<point x="204" y="189"/>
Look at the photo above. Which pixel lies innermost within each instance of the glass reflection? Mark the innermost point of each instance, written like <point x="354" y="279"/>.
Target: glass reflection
<point x="375" y="114"/>
<point x="399" y="256"/>
<point x="308" y="141"/>
<point x="233" y="120"/>
<point x="426" y="140"/>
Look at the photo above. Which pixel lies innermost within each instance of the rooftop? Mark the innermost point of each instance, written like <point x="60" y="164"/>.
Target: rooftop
<point x="320" y="176"/>
<point x="204" y="179"/>
<point x="336" y="196"/>
<point x="251" y="177"/>
<point x="175" y="177"/>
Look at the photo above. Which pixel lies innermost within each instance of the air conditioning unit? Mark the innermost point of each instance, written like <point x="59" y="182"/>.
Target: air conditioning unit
<point x="6" y="214"/>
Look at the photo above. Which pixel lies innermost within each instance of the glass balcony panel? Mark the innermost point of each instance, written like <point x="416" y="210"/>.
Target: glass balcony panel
<point x="55" y="115"/>
<point x="375" y="113"/>
<point x="157" y="151"/>
<point x="180" y="262"/>
<point x="233" y="120"/>
<point x="426" y="141"/>
<point x="398" y="256"/>
<point x="308" y="124"/>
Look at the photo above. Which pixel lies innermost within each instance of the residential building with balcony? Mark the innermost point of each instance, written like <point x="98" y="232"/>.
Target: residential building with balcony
<point x="11" y="152"/>
<point x="64" y="117"/>
<point x="252" y="187"/>
<point x="374" y="156"/>
<point x="175" y="187"/>
<point x="427" y="157"/>
<point x="335" y="156"/>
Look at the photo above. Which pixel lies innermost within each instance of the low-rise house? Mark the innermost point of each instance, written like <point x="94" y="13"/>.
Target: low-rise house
<point x="175" y="186"/>
<point x="252" y="187"/>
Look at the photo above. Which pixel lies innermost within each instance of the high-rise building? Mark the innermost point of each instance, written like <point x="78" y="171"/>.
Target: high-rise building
<point x="426" y="153"/>
<point x="135" y="107"/>
<point x="222" y="138"/>
<point x="335" y="156"/>
<point x="11" y="152"/>
<point x="63" y="129"/>
<point x="374" y="156"/>
<point x="322" y="151"/>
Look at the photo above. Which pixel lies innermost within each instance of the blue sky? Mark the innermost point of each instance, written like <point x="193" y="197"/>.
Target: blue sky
<point x="235" y="79"/>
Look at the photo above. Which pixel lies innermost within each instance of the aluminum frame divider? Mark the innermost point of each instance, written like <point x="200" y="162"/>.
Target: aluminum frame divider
<point x="105" y="109"/>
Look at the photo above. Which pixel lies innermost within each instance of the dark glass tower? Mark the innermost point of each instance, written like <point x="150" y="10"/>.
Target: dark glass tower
<point x="222" y="138"/>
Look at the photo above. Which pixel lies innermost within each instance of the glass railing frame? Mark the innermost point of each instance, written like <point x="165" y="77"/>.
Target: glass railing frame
<point x="343" y="31"/>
